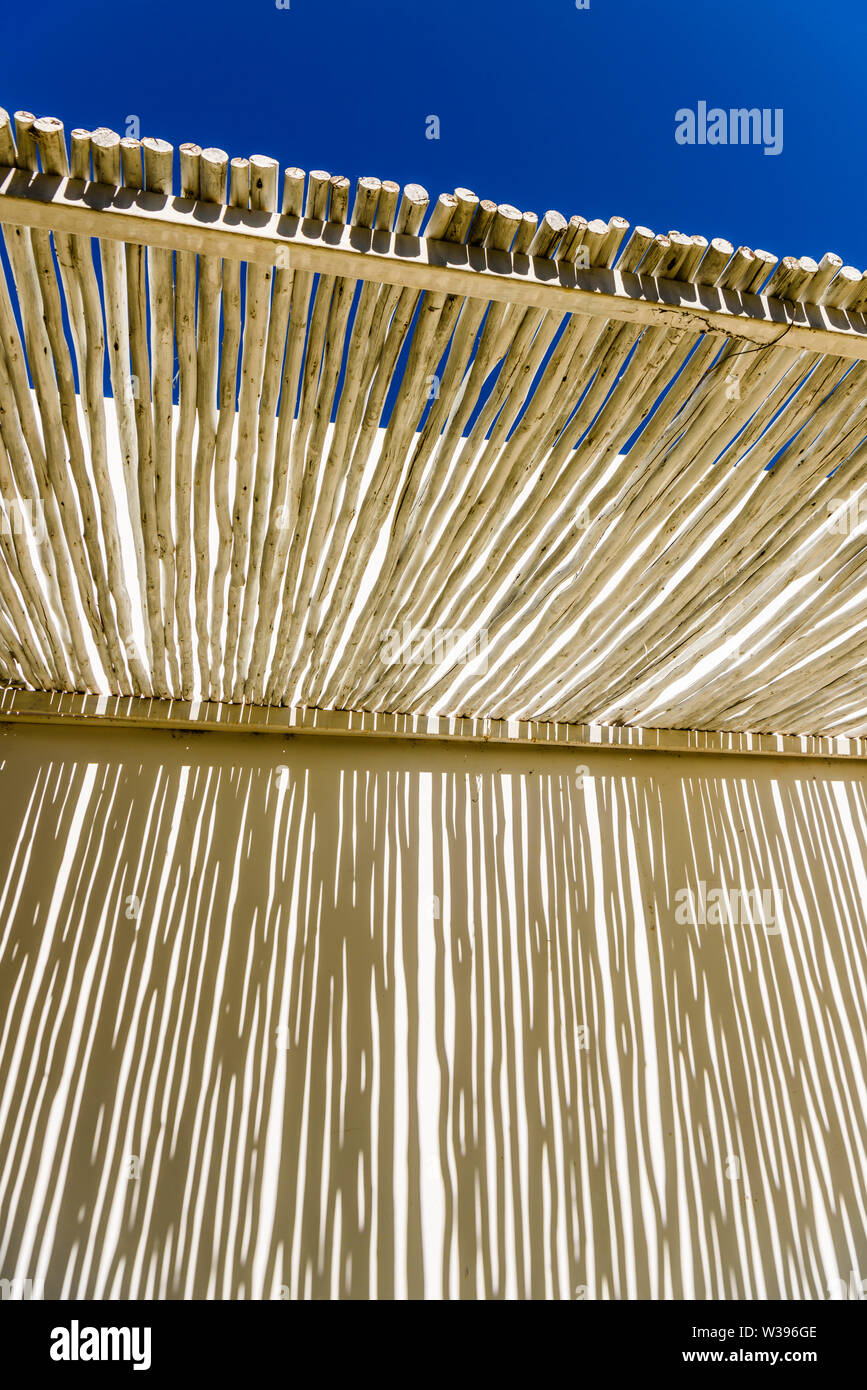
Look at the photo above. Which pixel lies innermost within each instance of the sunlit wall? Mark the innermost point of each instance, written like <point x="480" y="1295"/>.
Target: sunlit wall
<point x="331" y="1017"/>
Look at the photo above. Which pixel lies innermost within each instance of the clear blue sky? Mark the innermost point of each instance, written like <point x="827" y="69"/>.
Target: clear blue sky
<point x="540" y="104"/>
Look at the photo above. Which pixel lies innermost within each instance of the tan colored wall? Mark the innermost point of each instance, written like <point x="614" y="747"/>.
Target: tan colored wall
<point x="418" y="1018"/>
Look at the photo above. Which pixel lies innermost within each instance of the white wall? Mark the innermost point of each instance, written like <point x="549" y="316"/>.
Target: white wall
<point x="420" y="1019"/>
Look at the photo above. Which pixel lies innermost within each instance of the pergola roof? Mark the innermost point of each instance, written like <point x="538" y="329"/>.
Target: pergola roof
<point x="362" y="453"/>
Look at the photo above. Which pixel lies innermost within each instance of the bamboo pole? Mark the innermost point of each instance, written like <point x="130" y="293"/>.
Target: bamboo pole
<point x="452" y="217"/>
<point x="105" y="152"/>
<point x="157" y="160"/>
<point x="24" y="444"/>
<point x="32" y="262"/>
<point x="266" y="485"/>
<point x="239" y="196"/>
<point x="213" y="166"/>
<point x="263" y="198"/>
<point x="321" y="479"/>
<point x="132" y="174"/>
<point x="185" y="338"/>
<point x="82" y="288"/>
<point x="16" y="556"/>
<point x="297" y="291"/>
<point x="390" y="325"/>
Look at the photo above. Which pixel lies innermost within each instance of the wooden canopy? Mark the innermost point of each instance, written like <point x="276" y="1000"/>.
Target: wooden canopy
<point x="269" y="440"/>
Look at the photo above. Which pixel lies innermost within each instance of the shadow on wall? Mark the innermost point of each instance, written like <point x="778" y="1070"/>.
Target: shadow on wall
<point x="321" y="1017"/>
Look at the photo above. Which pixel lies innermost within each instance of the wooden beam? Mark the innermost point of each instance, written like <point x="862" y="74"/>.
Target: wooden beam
<point x="151" y="219"/>
<point x="99" y="711"/>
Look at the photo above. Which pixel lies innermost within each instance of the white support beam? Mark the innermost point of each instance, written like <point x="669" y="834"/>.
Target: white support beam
<point x="99" y="711"/>
<point x="150" y="219"/>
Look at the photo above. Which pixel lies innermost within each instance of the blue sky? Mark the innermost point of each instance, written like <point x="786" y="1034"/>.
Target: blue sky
<point x="540" y="104"/>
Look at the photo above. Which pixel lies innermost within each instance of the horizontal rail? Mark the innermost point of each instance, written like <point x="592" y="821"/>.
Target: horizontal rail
<point x="99" y="711"/>
<point x="181" y="224"/>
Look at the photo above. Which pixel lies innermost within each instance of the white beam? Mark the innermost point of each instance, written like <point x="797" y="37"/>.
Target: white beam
<point x="151" y="219"/>
<point x="96" y="711"/>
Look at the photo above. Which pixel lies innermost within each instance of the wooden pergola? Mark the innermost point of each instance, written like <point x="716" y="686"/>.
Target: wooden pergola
<point x="266" y="426"/>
